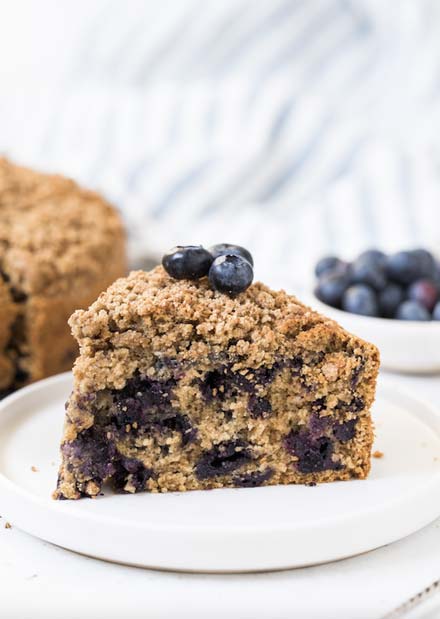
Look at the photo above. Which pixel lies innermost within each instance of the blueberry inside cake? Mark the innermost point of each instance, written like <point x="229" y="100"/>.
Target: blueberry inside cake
<point x="180" y="386"/>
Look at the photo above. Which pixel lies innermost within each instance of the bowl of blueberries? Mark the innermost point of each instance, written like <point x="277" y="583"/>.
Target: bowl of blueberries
<point x="391" y="300"/>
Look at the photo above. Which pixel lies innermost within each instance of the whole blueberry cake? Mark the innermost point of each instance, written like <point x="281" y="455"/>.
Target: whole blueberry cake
<point x="60" y="246"/>
<point x="209" y="382"/>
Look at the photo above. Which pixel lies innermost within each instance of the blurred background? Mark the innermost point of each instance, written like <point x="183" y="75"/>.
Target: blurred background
<point x="293" y="127"/>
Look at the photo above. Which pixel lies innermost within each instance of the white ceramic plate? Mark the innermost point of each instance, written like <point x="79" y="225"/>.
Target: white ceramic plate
<point x="405" y="346"/>
<point x="223" y="530"/>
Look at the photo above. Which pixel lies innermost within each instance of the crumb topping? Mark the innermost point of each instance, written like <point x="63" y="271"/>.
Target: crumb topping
<point x="148" y="317"/>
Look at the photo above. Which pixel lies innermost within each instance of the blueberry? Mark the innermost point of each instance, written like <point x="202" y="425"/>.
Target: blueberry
<point x="404" y="267"/>
<point x="345" y="431"/>
<point x="314" y="453"/>
<point x="93" y="453"/>
<point x="330" y="288"/>
<point x="425" y="292"/>
<point x="231" y="274"/>
<point x="389" y="299"/>
<point x="222" y="383"/>
<point x="190" y="262"/>
<point x="368" y="271"/>
<point x="253" y="479"/>
<point x="412" y="310"/>
<point x="327" y="264"/>
<point x="130" y="468"/>
<point x="373" y="256"/>
<point x="426" y="261"/>
<point x="223" y="249"/>
<point x="436" y="275"/>
<point x="259" y="407"/>
<point x="436" y="312"/>
<point x="21" y="375"/>
<point x="222" y="459"/>
<point x="18" y="296"/>
<point x="360" y="299"/>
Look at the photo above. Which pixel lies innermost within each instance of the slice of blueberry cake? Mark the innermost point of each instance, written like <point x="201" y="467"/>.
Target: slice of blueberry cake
<point x="189" y="384"/>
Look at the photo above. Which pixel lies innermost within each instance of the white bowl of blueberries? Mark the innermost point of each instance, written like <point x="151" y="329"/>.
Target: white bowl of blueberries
<point x="390" y="300"/>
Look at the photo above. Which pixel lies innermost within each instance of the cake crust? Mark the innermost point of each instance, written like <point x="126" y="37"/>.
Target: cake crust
<point x="55" y="242"/>
<point x="261" y="383"/>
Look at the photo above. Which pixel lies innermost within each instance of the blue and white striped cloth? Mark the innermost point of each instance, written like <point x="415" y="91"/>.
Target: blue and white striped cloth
<point x="295" y="127"/>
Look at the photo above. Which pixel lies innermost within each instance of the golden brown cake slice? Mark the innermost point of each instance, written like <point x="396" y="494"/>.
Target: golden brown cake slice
<point x="60" y="246"/>
<point x="179" y="387"/>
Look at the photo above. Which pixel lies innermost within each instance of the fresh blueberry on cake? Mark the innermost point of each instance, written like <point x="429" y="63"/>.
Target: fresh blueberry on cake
<point x="186" y="384"/>
<point x="231" y="274"/>
<point x="190" y="262"/>
<point x="60" y="246"/>
<point x="223" y="249"/>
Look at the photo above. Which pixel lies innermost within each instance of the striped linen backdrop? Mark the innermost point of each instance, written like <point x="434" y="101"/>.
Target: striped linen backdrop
<point x="294" y="127"/>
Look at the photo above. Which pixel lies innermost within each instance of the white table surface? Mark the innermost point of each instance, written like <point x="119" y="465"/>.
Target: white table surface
<point x="38" y="580"/>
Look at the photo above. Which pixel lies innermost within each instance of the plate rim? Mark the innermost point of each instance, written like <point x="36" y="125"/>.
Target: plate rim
<point x="387" y="388"/>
